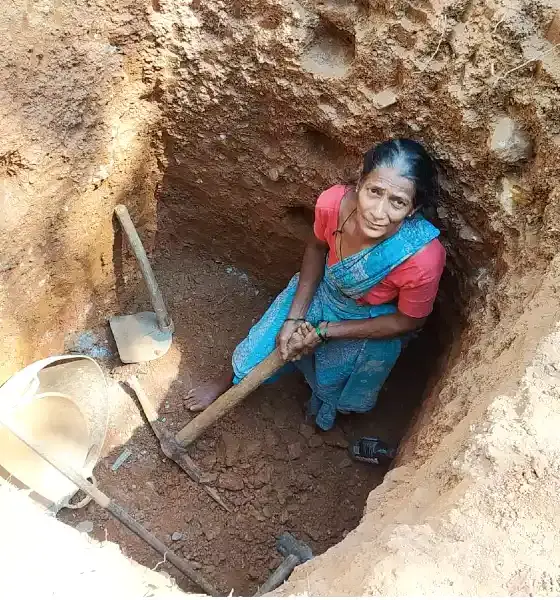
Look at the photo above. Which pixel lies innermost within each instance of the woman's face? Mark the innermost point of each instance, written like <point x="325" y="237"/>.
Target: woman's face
<point x="385" y="199"/>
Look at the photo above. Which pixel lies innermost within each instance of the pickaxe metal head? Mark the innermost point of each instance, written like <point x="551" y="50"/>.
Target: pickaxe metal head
<point x="287" y="544"/>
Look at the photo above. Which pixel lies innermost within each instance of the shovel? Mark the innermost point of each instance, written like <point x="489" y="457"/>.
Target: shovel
<point x="146" y="335"/>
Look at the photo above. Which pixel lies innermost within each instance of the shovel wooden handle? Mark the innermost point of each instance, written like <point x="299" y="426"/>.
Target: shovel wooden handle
<point x="164" y="320"/>
<point x="222" y="405"/>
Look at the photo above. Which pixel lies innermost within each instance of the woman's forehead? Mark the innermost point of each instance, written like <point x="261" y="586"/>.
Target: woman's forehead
<point x="390" y="178"/>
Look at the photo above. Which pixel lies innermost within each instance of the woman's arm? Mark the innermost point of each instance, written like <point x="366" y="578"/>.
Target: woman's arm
<point x="312" y="268"/>
<point x="377" y="328"/>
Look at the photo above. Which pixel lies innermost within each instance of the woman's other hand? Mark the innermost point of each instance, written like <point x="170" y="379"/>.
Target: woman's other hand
<point x="284" y="336"/>
<point x="309" y="338"/>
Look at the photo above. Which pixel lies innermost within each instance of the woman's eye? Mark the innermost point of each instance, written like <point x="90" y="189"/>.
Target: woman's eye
<point x="399" y="203"/>
<point x="374" y="191"/>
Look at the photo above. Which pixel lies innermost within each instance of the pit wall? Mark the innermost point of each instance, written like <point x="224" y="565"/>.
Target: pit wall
<point x="77" y="136"/>
<point x="268" y="102"/>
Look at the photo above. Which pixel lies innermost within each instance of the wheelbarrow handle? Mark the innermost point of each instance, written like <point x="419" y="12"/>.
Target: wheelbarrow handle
<point x="164" y="320"/>
<point x="230" y="399"/>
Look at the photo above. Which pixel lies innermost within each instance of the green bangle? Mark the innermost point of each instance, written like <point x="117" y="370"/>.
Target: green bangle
<point x="322" y="334"/>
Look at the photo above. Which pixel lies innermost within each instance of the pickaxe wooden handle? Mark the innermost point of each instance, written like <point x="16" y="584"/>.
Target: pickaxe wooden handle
<point x="230" y="399"/>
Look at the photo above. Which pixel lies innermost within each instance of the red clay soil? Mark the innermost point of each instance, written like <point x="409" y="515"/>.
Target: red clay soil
<point x="270" y="467"/>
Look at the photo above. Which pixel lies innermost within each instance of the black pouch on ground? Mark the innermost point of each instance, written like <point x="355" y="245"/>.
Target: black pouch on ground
<point x="372" y="450"/>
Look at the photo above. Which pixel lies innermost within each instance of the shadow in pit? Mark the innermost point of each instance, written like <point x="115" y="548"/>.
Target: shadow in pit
<point x="410" y="381"/>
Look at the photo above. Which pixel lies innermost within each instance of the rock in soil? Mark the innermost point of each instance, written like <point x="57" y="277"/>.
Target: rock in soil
<point x="306" y="430"/>
<point x="294" y="451"/>
<point x="315" y="441"/>
<point x="509" y="142"/>
<point x="85" y="526"/>
<point x="209" y="569"/>
<point x="230" y="481"/>
<point x="176" y="536"/>
<point x="335" y="438"/>
<point x="252" y="449"/>
<point x="206" y="478"/>
<point x="229" y="447"/>
<point x="282" y="495"/>
<point x="264" y="476"/>
<point x="312" y="533"/>
<point x="208" y="460"/>
<point x="211" y="531"/>
<point x="280" y="454"/>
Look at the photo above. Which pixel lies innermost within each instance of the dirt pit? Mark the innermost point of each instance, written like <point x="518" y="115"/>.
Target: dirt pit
<point x="218" y="124"/>
<point x="272" y="469"/>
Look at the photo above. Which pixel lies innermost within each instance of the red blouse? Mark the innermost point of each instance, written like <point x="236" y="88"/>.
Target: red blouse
<point x="415" y="281"/>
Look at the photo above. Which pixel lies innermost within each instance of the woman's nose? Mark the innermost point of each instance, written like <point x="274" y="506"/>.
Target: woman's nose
<point x="378" y="209"/>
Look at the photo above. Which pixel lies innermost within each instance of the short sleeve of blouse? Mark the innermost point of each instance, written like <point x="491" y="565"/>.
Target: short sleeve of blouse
<point x="417" y="295"/>
<point x="326" y="212"/>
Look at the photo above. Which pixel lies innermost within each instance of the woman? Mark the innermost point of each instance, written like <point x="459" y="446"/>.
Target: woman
<point x="369" y="277"/>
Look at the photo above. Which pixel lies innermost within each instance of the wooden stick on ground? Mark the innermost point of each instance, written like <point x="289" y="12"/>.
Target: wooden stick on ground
<point x="280" y="575"/>
<point x="119" y="513"/>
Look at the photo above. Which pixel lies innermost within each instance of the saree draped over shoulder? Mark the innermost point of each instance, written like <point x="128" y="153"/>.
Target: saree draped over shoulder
<point x="348" y="374"/>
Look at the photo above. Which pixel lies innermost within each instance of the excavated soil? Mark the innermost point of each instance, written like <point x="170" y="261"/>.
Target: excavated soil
<point x="274" y="471"/>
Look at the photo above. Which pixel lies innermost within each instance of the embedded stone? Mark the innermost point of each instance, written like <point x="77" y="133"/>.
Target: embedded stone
<point x="230" y="481"/>
<point x="509" y="142"/>
<point x="384" y="99"/>
<point x="230" y="447"/>
<point x="294" y="451"/>
<point x="511" y="194"/>
<point x="469" y="234"/>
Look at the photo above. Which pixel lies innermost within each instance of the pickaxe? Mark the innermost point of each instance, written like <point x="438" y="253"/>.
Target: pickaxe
<point x="174" y="447"/>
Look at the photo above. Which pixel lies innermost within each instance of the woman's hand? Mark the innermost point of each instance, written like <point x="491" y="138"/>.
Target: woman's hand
<point x="284" y="336"/>
<point x="312" y="268"/>
<point x="303" y="341"/>
<point x="309" y="338"/>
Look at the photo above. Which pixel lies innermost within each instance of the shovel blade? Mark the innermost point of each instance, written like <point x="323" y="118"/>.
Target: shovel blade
<point x="138" y="337"/>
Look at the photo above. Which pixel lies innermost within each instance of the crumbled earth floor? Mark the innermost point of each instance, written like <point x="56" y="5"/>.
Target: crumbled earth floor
<point x="272" y="469"/>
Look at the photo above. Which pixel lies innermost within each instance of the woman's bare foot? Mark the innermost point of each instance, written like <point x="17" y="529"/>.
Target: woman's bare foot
<point x="202" y="396"/>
